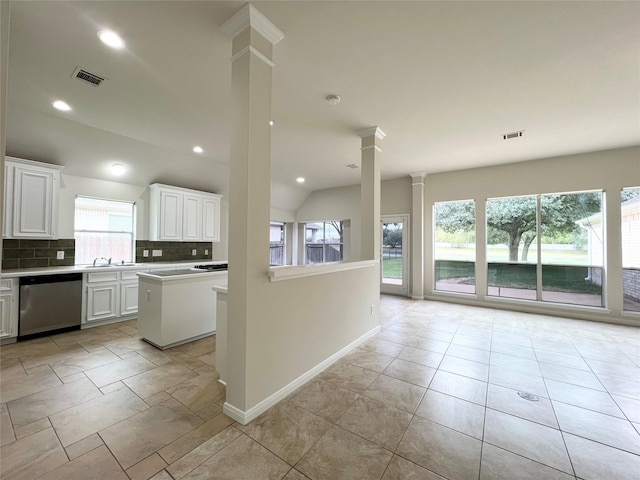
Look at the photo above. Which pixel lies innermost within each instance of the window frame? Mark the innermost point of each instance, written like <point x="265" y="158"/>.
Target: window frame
<point x="460" y="290"/>
<point x="539" y="264"/>
<point x="325" y="244"/>
<point x="132" y="233"/>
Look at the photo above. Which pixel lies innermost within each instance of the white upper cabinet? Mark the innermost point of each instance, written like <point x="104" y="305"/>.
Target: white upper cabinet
<point x="31" y="199"/>
<point x="211" y="219"/>
<point x="191" y="217"/>
<point x="181" y="214"/>
<point x="170" y="215"/>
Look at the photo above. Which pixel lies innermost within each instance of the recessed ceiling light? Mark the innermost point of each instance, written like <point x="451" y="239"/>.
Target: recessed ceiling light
<point x="300" y="179"/>
<point x="198" y="149"/>
<point x="111" y="39"/>
<point x="62" y="106"/>
<point x="118" y="169"/>
<point x="271" y="122"/>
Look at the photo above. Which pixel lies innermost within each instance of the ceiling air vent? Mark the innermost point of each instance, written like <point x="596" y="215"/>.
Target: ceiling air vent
<point x="508" y="136"/>
<point x="90" y="78"/>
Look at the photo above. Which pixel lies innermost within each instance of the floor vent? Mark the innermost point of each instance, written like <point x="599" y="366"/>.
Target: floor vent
<point x="90" y="78"/>
<point x="529" y="396"/>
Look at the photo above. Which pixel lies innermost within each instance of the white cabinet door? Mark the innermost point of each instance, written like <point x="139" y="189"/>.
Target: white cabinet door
<point x="9" y="307"/>
<point x="5" y="315"/>
<point x="102" y="301"/>
<point x="7" y="219"/>
<point x="211" y="219"/>
<point x="35" y="202"/>
<point x="170" y="216"/>
<point x="191" y="217"/>
<point x="128" y="298"/>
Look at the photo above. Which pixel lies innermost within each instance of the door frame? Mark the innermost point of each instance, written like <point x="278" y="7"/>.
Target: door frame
<point x="402" y="289"/>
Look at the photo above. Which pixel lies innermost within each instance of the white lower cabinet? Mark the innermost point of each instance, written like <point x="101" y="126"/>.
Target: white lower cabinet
<point x="9" y="308"/>
<point x="102" y="289"/>
<point x="102" y="302"/>
<point x="111" y="295"/>
<point x="128" y="293"/>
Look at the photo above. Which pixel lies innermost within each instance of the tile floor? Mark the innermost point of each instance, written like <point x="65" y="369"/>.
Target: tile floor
<point x="434" y="395"/>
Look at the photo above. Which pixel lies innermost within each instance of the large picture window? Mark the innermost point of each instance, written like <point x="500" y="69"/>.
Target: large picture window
<point x="324" y="242"/>
<point x="572" y="248"/>
<point x="630" y="213"/>
<point x="104" y="229"/>
<point x="546" y="247"/>
<point x="511" y="260"/>
<point x="455" y="246"/>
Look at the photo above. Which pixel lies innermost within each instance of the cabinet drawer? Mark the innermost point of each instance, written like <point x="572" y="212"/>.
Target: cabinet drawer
<point x="130" y="274"/>
<point x="102" y="277"/>
<point x="6" y="284"/>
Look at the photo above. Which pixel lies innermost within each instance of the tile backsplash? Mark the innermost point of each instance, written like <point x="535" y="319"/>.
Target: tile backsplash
<point x="173" y="251"/>
<point x="24" y="253"/>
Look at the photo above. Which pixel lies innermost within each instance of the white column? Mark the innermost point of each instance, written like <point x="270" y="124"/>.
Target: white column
<point x="249" y="184"/>
<point x="4" y="63"/>
<point x="417" y="235"/>
<point x="370" y="194"/>
<point x="481" y="248"/>
<point x="613" y="272"/>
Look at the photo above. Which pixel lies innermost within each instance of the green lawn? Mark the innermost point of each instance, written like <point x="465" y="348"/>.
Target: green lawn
<point x="501" y="254"/>
<point x="392" y="268"/>
<point x="562" y="278"/>
<point x="554" y="277"/>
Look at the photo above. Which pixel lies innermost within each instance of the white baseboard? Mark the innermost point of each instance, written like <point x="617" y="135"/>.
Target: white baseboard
<point x="417" y="297"/>
<point x="245" y="417"/>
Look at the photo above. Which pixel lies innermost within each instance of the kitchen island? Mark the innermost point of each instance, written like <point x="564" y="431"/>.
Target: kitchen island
<point x="177" y="306"/>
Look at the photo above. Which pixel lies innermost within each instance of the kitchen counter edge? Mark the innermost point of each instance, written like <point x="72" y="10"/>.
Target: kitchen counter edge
<point x="37" y="271"/>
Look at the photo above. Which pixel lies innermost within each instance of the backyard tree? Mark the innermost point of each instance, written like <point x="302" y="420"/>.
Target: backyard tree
<point x="629" y="194"/>
<point x="339" y="228"/>
<point x="513" y="220"/>
<point x="391" y="235"/>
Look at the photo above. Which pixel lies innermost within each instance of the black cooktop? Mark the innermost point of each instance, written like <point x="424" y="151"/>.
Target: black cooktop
<point x="212" y="267"/>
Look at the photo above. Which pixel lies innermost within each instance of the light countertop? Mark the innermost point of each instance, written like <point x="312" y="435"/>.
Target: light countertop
<point x="24" y="272"/>
<point x="180" y="274"/>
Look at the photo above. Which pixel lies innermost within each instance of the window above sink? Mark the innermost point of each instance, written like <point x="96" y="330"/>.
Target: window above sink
<point x="104" y="229"/>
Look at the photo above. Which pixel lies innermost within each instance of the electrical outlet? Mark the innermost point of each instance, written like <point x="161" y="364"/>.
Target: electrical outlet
<point x="193" y="252"/>
<point x="145" y="253"/>
<point x="156" y="253"/>
<point x="206" y="251"/>
<point x="60" y="255"/>
<point x="373" y="308"/>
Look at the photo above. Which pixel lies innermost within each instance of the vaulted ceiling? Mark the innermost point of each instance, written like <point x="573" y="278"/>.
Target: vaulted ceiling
<point x="443" y="80"/>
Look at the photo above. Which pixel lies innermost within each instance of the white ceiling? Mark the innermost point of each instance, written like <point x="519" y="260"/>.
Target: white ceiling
<point x="443" y="80"/>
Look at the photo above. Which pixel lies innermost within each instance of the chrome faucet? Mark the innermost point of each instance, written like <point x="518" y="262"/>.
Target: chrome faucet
<point x="108" y="260"/>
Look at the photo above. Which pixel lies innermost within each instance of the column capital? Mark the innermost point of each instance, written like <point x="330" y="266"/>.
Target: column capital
<point x="417" y="178"/>
<point x="250" y="16"/>
<point x="371" y="131"/>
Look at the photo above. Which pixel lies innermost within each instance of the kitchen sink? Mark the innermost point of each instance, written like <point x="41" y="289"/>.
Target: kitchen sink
<point x="113" y="265"/>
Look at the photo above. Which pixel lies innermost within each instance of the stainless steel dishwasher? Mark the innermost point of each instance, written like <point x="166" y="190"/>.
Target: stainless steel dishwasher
<point x="50" y="302"/>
